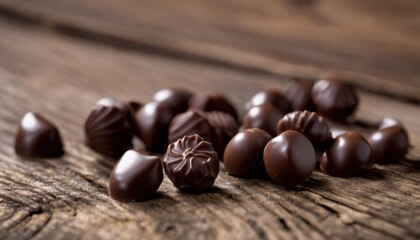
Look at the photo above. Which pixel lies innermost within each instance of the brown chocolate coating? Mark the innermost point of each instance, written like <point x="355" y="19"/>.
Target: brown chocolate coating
<point x="108" y="131"/>
<point x="269" y="96"/>
<point x="191" y="163"/>
<point x="289" y="158"/>
<point x="264" y="116"/>
<point x="310" y="124"/>
<point x="348" y="155"/>
<point x="152" y="124"/>
<point x="189" y="123"/>
<point x="334" y="99"/>
<point x="112" y="102"/>
<point x="213" y="102"/>
<point x="134" y="107"/>
<point x="135" y="176"/>
<point x="175" y="98"/>
<point x="299" y="95"/>
<point x="225" y="127"/>
<point x="389" y="144"/>
<point x="38" y="137"/>
<point x="244" y="153"/>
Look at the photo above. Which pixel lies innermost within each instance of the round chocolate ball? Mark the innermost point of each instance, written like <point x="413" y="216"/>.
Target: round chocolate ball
<point x="269" y="96"/>
<point x="213" y="102"/>
<point x="389" y="144"/>
<point x="175" y="98"/>
<point x="289" y="158"/>
<point x="335" y="99"/>
<point x="299" y="95"/>
<point x="264" y="116"/>
<point x="348" y="155"/>
<point x="244" y="153"/>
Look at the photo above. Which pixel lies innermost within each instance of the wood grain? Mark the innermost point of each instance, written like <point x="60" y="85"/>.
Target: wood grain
<point x="67" y="198"/>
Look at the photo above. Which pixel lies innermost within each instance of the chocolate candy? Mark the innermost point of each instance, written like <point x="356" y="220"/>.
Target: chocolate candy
<point x="299" y="95"/>
<point x="264" y="116"/>
<point x="389" y="144"/>
<point x="388" y="122"/>
<point x="191" y="163"/>
<point x="272" y="97"/>
<point x="112" y="102"/>
<point x="108" y="131"/>
<point x="189" y="123"/>
<point x="213" y="102"/>
<point x="310" y="124"/>
<point x="334" y="99"/>
<point x="348" y="155"/>
<point x="134" y="107"/>
<point x="289" y="158"/>
<point x="244" y="153"/>
<point x="175" y="98"/>
<point x="135" y="176"/>
<point x="38" y="137"/>
<point x="152" y="123"/>
<point x="225" y="127"/>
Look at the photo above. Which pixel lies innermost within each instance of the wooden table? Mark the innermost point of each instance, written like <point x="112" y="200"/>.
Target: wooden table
<point x="59" y="57"/>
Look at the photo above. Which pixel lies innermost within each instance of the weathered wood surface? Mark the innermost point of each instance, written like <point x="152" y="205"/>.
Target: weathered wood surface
<point x="62" y="77"/>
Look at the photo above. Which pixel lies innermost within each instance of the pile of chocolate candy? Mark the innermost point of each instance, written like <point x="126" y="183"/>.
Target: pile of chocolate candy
<point x="283" y="136"/>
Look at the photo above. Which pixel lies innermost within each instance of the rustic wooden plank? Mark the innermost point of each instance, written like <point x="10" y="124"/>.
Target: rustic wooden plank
<point x="373" y="44"/>
<point x="67" y="197"/>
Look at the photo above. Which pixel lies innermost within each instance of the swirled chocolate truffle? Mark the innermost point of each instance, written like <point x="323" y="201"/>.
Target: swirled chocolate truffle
<point x="269" y="96"/>
<point x="335" y="99"/>
<point x="299" y="95"/>
<point x="389" y="144"/>
<point x="264" y="116"/>
<point x="37" y="137"/>
<point x="189" y="123"/>
<point x="213" y="102"/>
<point x="175" y="98"/>
<point x="152" y="123"/>
<point x="135" y="176"/>
<point x="108" y="131"/>
<point x="310" y="124"/>
<point x="191" y="163"/>
<point x="225" y="127"/>
<point x="348" y="155"/>
<point x="122" y="106"/>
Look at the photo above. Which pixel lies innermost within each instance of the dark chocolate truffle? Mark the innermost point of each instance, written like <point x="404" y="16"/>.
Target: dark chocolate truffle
<point x="244" y="153"/>
<point x="108" y="131"/>
<point x="289" y="158"/>
<point x="189" y="123"/>
<point x="299" y="95"/>
<point x="310" y="124"/>
<point x="389" y="144"/>
<point x="191" y="163"/>
<point x="152" y="124"/>
<point x="135" y="176"/>
<point x="213" y="102"/>
<point x="348" y="155"/>
<point x="175" y="98"/>
<point x="112" y="102"/>
<point x="269" y="96"/>
<point x="264" y="116"/>
<point x="225" y="127"/>
<point x="38" y="137"/>
<point x="334" y="99"/>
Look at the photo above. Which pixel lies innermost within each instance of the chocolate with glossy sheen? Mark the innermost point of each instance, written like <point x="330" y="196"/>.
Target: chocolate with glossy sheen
<point x="348" y="155"/>
<point x="335" y="99"/>
<point x="389" y="144"/>
<point x="244" y="153"/>
<point x="38" y="137"/>
<point x="112" y="102"/>
<point x="152" y="124"/>
<point x="388" y="122"/>
<point x="191" y="163"/>
<point x="310" y="124"/>
<point x="135" y="176"/>
<point x="225" y="127"/>
<point x="289" y="158"/>
<point x="189" y="123"/>
<point x="176" y="98"/>
<point x="213" y="102"/>
<point x="108" y="131"/>
<point x="264" y="116"/>
<point x="269" y="96"/>
<point x="299" y="95"/>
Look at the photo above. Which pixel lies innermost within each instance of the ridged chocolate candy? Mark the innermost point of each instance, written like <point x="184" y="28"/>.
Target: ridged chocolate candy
<point x="38" y="137"/>
<point x="264" y="116"/>
<point x="112" y="102"/>
<point x="299" y="95"/>
<point x="225" y="127"/>
<point x="175" y="98"/>
<point x="108" y="131"/>
<point x="213" y="102"/>
<point x="191" y="163"/>
<point x="269" y="96"/>
<point x="189" y="123"/>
